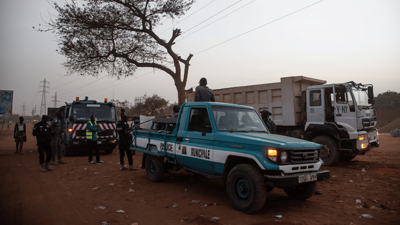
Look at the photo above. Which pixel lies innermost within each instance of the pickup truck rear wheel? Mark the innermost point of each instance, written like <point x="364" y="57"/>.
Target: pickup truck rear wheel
<point x="154" y="168"/>
<point x="246" y="188"/>
<point x="329" y="152"/>
<point x="302" y="191"/>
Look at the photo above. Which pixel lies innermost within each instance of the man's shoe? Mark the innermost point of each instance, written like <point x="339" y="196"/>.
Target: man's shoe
<point x="61" y="162"/>
<point x="91" y="162"/>
<point x="48" y="167"/>
<point x="42" y="169"/>
<point x="123" y="168"/>
<point x="20" y="153"/>
<point x="54" y="162"/>
<point x="131" y="168"/>
<point x="100" y="161"/>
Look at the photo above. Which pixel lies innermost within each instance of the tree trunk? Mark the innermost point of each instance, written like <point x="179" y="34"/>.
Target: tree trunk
<point x="180" y="87"/>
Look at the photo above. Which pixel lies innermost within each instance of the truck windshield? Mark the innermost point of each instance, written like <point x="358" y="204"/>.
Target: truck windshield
<point x="102" y="112"/>
<point x="361" y="97"/>
<point x="237" y="119"/>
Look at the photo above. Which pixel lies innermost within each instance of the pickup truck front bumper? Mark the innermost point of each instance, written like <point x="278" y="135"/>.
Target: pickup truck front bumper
<point x="292" y="180"/>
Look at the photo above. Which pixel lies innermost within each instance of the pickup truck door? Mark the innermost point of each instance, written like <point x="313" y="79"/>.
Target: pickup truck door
<point x="195" y="149"/>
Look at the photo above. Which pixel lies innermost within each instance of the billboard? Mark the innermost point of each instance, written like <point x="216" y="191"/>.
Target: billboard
<point x="6" y="99"/>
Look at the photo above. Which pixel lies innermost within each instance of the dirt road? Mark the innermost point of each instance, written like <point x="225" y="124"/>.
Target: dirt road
<point x="68" y="196"/>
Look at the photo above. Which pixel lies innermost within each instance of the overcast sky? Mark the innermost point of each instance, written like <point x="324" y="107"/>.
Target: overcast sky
<point x="332" y="40"/>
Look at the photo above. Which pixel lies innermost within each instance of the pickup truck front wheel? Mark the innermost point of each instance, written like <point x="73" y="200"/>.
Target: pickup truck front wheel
<point x="154" y="168"/>
<point x="246" y="188"/>
<point x="302" y="191"/>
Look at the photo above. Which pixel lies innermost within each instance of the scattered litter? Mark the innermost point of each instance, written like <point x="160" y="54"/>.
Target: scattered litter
<point x="196" y="201"/>
<point x="105" y="223"/>
<point x="118" y="163"/>
<point x="358" y="201"/>
<point x="131" y="190"/>
<point x="365" y="205"/>
<point x="100" y="207"/>
<point x="333" y="176"/>
<point x="318" y="193"/>
<point x="85" y="169"/>
<point x="367" y="216"/>
<point x="111" y="184"/>
<point x="359" y="207"/>
<point x="131" y="182"/>
<point x="363" y="170"/>
<point x="95" y="172"/>
<point x="375" y="201"/>
<point x="174" y="205"/>
<point x="350" y="181"/>
<point x="30" y="151"/>
<point x="185" y="190"/>
<point x="215" y="219"/>
<point x="278" y="216"/>
<point x="278" y="221"/>
<point x="95" y="188"/>
<point x="135" y="224"/>
<point x="120" y="211"/>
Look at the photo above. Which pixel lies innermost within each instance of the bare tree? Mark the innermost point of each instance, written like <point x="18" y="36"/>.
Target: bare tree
<point x="117" y="36"/>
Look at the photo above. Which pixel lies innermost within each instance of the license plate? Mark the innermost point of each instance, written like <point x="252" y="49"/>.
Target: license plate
<point x="98" y="142"/>
<point x="307" y="178"/>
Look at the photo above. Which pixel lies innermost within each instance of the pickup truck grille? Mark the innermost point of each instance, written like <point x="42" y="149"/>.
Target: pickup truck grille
<point x="302" y="156"/>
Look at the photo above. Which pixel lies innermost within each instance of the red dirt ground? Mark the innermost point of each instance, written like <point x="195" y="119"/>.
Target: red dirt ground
<point x="66" y="195"/>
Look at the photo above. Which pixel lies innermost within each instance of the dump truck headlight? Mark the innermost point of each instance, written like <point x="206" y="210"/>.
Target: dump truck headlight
<point x="362" y="137"/>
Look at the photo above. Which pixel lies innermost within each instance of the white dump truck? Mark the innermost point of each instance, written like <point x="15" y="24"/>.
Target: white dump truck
<point x="337" y="116"/>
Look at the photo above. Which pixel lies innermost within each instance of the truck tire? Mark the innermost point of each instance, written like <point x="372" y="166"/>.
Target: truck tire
<point x="246" y="188"/>
<point x="329" y="152"/>
<point x="154" y="168"/>
<point x="347" y="158"/>
<point x="301" y="191"/>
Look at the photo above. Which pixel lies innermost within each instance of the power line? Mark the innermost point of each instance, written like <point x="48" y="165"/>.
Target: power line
<point x="186" y="17"/>
<point x="213" y="15"/>
<point x="217" y="20"/>
<point x="257" y="27"/>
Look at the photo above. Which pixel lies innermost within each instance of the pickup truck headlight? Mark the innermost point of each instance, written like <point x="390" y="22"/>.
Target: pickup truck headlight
<point x="272" y="154"/>
<point x="283" y="156"/>
<point x="316" y="154"/>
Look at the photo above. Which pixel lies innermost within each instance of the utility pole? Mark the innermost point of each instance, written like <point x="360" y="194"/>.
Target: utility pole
<point x="55" y="100"/>
<point x="44" y="91"/>
<point x="34" y="111"/>
<point x="23" y="109"/>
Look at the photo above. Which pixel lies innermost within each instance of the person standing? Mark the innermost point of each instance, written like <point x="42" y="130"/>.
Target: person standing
<point x="42" y="132"/>
<point x="20" y="135"/>
<point x="125" y="140"/>
<point x="203" y="93"/>
<point x="91" y="137"/>
<point x="56" y="131"/>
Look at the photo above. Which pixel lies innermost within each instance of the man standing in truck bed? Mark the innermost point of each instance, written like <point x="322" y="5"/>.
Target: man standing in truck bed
<point x="203" y="93"/>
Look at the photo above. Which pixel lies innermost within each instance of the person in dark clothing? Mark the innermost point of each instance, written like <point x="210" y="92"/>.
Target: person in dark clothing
<point x="176" y="109"/>
<point x="91" y="137"/>
<point x="265" y="114"/>
<point x="125" y="140"/>
<point x="42" y="132"/>
<point x="56" y="132"/>
<point x="203" y="93"/>
<point x="20" y="135"/>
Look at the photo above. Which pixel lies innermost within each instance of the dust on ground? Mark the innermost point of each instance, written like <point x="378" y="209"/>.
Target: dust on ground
<point x="72" y="193"/>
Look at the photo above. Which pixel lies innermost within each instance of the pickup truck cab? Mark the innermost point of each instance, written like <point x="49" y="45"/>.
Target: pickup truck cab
<point x="230" y="142"/>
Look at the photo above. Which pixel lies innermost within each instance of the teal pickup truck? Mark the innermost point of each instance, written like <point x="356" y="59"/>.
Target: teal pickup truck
<point x="230" y="142"/>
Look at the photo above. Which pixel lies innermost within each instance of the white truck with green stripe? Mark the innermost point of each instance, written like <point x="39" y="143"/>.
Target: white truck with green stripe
<point x="230" y="142"/>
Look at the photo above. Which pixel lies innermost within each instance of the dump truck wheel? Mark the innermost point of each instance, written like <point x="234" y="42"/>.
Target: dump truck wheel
<point x="154" y="168"/>
<point x="329" y="152"/>
<point x="301" y="191"/>
<point x="246" y="188"/>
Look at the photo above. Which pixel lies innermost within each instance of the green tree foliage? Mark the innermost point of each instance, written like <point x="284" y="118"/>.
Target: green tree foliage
<point x="117" y="36"/>
<point x="152" y="106"/>
<point x="387" y="100"/>
<point x="122" y="105"/>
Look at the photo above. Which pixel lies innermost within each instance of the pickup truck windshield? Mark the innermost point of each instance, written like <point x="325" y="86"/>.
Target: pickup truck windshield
<point x="102" y="112"/>
<point x="237" y="119"/>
